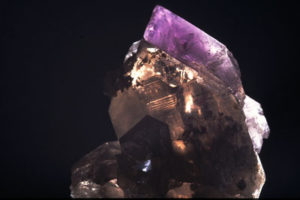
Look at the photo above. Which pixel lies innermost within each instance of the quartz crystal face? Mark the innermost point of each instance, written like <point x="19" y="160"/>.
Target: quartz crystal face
<point x="189" y="44"/>
<point x="184" y="125"/>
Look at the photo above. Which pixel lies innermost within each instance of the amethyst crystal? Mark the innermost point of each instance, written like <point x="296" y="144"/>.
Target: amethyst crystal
<point x="192" y="46"/>
<point x="184" y="125"/>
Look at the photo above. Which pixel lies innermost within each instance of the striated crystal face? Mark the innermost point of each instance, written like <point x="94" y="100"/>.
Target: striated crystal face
<point x="185" y="127"/>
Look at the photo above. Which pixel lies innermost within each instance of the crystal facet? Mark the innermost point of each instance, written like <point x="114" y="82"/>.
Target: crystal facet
<point x="185" y="127"/>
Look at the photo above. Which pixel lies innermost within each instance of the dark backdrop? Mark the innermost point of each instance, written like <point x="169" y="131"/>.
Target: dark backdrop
<point x="53" y="58"/>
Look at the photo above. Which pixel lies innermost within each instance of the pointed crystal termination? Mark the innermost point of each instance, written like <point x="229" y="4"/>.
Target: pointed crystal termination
<point x="185" y="127"/>
<point x="192" y="46"/>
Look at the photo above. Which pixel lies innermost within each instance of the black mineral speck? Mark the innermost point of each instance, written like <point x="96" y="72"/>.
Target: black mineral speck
<point x="241" y="184"/>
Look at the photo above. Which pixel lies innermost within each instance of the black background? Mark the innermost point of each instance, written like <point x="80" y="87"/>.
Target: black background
<point x="53" y="58"/>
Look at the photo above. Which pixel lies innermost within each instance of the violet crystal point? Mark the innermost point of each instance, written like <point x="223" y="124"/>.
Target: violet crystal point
<point x="187" y="43"/>
<point x="185" y="127"/>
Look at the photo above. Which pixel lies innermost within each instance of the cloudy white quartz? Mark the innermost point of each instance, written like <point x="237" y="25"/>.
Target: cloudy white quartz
<point x="257" y="124"/>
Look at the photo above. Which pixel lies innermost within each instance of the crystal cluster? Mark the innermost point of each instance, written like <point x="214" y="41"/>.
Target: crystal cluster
<point x="185" y="127"/>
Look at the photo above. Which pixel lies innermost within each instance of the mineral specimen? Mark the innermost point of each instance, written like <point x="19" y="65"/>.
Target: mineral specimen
<point x="185" y="127"/>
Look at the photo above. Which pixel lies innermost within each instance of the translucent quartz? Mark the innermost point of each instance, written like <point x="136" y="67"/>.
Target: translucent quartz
<point x="192" y="46"/>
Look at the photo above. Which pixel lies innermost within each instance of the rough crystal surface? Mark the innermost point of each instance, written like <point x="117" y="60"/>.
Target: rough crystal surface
<point x="185" y="127"/>
<point x="94" y="174"/>
<point x="257" y="124"/>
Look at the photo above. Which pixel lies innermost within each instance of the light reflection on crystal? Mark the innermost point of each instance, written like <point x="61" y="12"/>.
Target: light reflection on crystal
<point x="132" y="50"/>
<point x="179" y="146"/>
<point x="146" y="166"/>
<point x="188" y="103"/>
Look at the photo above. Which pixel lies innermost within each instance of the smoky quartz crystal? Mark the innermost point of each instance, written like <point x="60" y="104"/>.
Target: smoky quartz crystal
<point x="184" y="125"/>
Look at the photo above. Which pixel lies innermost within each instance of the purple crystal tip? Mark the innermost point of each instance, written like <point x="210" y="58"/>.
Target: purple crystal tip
<point x="192" y="46"/>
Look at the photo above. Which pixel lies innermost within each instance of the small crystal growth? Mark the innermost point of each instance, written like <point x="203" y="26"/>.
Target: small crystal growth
<point x="184" y="125"/>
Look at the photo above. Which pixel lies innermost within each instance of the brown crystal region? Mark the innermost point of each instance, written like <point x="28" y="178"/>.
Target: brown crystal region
<point x="182" y="133"/>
